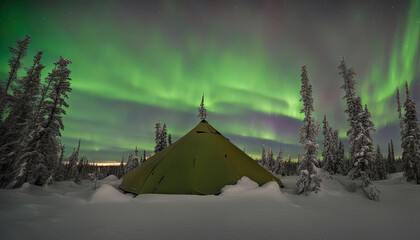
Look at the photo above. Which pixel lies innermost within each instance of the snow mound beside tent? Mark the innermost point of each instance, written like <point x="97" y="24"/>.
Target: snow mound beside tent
<point x="107" y="193"/>
<point x="247" y="187"/>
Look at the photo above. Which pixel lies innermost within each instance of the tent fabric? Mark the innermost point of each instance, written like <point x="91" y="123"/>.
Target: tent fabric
<point x="201" y="162"/>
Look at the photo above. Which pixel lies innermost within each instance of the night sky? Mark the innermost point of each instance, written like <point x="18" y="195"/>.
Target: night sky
<point x="137" y="62"/>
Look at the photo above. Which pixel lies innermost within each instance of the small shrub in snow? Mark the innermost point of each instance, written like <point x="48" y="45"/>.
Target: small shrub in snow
<point x="370" y="190"/>
<point x="92" y="177"/>
<point x="308" y="182"/>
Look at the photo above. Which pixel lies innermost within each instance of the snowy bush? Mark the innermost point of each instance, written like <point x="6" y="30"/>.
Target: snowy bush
<point x="370" y="190"/>
<point x="308" y="182"/>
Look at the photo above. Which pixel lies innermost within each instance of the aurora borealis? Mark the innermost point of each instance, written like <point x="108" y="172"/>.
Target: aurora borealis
<point x="137" y="62"/>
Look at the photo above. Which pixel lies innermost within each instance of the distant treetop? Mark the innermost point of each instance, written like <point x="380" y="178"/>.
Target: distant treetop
<point x="202" y="111"/>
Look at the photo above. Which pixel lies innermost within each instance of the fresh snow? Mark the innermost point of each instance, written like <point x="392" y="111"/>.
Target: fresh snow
<point x="246" y="188"/>
<point x="66" y="210"/>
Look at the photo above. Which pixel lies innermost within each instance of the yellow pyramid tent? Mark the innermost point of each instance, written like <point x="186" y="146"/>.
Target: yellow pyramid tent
<point x="201" y="162"/>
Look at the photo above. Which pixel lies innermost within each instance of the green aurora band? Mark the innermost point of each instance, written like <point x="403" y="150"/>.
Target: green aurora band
<point x="129" y="64"/>
<point x="380" y="85"/>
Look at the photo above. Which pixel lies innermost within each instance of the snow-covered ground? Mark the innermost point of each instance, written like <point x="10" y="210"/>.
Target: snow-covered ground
<point x="244" y="211"/>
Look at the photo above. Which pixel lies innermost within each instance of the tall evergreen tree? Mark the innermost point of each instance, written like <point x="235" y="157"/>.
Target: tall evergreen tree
<point x="270" y="160"/>
<point x="380" y="167"/>
<point x="45" y="89"/>
<point x="391" y="165"/>
<point x="364" y="157"/>
<point x="60" y="172"/>
<point x="160" y="137"/>
<point x="308" y="180"/>
<point x="329" y="149"/>
<point x="131" y="164"/>
<point x="263" y="157"/>
<point x="399" y="109"/>
<point x="279" y="167"/>
<point x="121" y="169"/>
<point x="341" y="159"/>
<point x="169" y="139"/>
<point x="202" y="112"/>
<point x="163" y="136"/>
<point x="15" y="63"/>
<point x="158" y="134"/>
<point x="136" y="152"/>
<point x="361" y="146"/>
<point x="21" y="105"/>
<point x="144" y="157"/>
<point x="411" y="140"/>
<point x="72" y="171"/>
<point x="136" y="158"/>
<point x="41" y="147"/>
<point x="392" y="150"/>
<point x="353" y="109"/>
<point x="334" y="149"/>
<point x="25" y="94"/>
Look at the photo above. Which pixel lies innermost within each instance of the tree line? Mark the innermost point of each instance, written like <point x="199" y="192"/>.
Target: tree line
<point x="363" y="161"/>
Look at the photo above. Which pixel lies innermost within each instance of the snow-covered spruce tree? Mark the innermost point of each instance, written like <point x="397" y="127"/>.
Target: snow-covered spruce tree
<point x="399" y="109"/>
<point x="392" y="151"/>
<point x="402" y="130"/>
<point x="136" y="161"/>
<point x="270" y="160"/>
<point x="364" y="156"/>
<point x="326" y="141"/>
<point x="401" y="162"/>
<point x="60" y="172"/>
<point x="309" y="180"/>
<point x="136" y="152"/>
<point x="83" y="168"/>
<point x="131" y="164"/>
<point x="15" y="63"/>
<point x="158" y="134"/>
<point x="341" y="160"/>
<point x="40" y="148"/>
<point x="18" y="123"/>
<point x="279" y="167"/>
<point x="350" y="96"/>
<point x="163" y="136"/>
<point x="121" y="168"/>
<point x="391" y="165"/>
<point x="380" y="167"/>
<point x="25" y="94"/>
<point x="169" y="139"/>
<point x="143" y="158"/>
<point x="334" y="149"/>
<point x="202" y="111"/>
<point x="411" y="140"/>
<point x="263" y="157"/>
<point x="45" y="89"/>
<point x="361" y="146"/>
<point x="328" y="152"/>
<point x="72" y="170"/>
